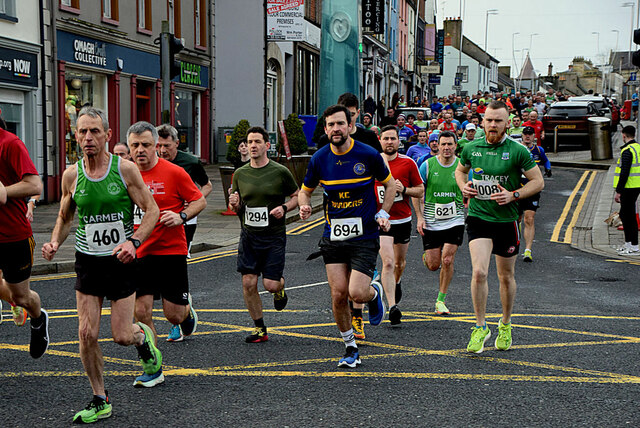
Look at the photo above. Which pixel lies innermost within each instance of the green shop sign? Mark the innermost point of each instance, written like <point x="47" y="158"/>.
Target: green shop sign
<point x="190" y="73"/>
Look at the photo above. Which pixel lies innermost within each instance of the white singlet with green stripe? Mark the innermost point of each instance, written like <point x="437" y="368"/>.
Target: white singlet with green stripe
<point x="443" y="206"/>
<point x="105" y="210"/>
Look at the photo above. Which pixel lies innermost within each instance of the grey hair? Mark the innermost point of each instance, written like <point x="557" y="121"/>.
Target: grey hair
<point x="167" y="131"/>
<point x="142" y="127"/>
<point x="95" y="113"/>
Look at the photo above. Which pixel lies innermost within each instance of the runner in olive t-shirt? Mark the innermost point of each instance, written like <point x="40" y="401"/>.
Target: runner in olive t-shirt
<point x="496" y="163"/>
<point x="258" y="196"/>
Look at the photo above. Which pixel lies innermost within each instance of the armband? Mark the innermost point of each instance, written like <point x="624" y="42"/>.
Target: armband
<point x="382" y="214"/>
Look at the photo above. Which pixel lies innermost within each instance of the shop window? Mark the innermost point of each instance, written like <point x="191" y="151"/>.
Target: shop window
<point x="174" y="15"/>
<point x="8" y="10"/>
<point x="186" y="111"/>
<point x="307" y="76"/>
<point x="200" y="22"/>
<point x="143" y="100"/>
<point x="12" y="115"/>
<point x="144" y="17"/>
<point x="110" y="12"/>
<point x="70" y="6"/>
<point x="81" y="89"/>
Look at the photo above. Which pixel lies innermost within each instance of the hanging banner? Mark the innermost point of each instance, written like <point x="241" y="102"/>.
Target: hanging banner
<point x="285" y="20"/>
<point x="285" y="142"/>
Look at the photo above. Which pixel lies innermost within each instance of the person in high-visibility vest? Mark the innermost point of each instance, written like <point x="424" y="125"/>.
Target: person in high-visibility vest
<point x="627" y="184"/>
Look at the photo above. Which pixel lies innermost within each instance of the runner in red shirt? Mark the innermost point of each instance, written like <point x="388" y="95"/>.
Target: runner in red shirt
<point x="537" y="125"/>
<point x="162" y="264"/>
<point x="395" y="243"/>
<point x="448" y="124"/>
<point x="20" y="180"/>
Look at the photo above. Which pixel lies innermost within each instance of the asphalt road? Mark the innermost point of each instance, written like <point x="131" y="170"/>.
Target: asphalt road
<point x="574" y="360"/>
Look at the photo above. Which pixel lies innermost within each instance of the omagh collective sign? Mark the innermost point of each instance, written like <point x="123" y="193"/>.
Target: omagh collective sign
<point x="285" y="20"/>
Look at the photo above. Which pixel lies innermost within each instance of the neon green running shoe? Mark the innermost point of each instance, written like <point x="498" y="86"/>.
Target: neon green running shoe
<point x="149" y="355"/>
<point x="503" y="341"/>
<point x="441" y="308"/>
<point x="97" y="408"/>
<point x="478" y="337"/>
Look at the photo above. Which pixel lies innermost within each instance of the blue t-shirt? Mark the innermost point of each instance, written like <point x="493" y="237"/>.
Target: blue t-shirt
<point x="422" y="159"/>
<point x="416" y="151"/>
<point x="634" y="100"/>
<point x="405" y="133"/>
<point x="436" y="108"/>
<point x="348" y="180"/>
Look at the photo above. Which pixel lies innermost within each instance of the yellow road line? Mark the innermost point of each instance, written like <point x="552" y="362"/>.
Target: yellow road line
<point x="567" y="207"/>
<point x="303" y="224"/>
<point x="569" y="232"/>
<point x="306" y="227"/>
<point x="631" y="262"/>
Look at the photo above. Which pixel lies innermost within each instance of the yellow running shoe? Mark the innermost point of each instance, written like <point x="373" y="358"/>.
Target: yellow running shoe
<point x="441" y="308"/>
<point x="358" y="327"/>
<point x="19" y="315"/>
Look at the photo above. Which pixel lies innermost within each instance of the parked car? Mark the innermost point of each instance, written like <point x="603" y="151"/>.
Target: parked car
<point x="414" y="111"/>
<point x="570" y="118"/>
<point x="603" y="105"/>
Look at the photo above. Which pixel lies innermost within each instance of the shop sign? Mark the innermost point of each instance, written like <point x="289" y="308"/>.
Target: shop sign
<point x="190" y="73"/>
<point x="285" y="20"/>
<point x="18" y="67"/>
<point x="90" y="52"/>
<point x="373" y="16"/>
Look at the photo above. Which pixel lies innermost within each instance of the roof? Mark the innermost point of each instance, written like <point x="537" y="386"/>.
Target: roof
<point x="615" y="57"/>
<point x="571" y="104"/>
<point x="587" y="98"/>
<point x="527" y="72"/>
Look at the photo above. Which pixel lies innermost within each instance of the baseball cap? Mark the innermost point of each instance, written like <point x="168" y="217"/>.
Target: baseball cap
<point x="470" y="126"/>
<point x="528" y="130"/>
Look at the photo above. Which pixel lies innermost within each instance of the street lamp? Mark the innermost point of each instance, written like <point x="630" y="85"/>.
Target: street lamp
<point x="631" y="5"/>
<point x="513" y="52"/>
<point x="531" y="40"/>
<point x="486" y="25"/>
<point x="617" y="36"/>
<point x="597" y="43"/>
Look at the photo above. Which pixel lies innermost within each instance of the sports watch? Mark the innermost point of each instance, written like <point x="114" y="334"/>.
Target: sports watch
<point x="183" y="216"/>
<point x="516" y="195"/>
<point x="136" y="242"/>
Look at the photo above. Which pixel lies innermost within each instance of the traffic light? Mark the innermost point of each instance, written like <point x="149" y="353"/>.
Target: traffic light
<point x="175" y="46"/>
<point x="635" y="57"/>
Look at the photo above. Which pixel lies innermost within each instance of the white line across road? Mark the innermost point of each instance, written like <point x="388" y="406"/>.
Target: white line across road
<point x="315" y="284"/>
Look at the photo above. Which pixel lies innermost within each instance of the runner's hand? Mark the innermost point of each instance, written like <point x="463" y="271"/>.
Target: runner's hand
<point x="399" y="186"/>
<point x="305" y="211"/>
<point x="234" y="199"/>
<point x="277" y="212"/>
<point x="420" y="226"/>
<point x="468" y="191"/>
<point x="49" y="250"/>
<point x="170" y="218"/>
<point x="384" y="224"/>
<point x="503" y="197"/>
<point x="125" y="252"/>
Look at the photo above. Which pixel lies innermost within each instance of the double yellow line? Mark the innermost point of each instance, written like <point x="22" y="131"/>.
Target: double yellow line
<point x="305" y="227"/>
<point x="568" y="234"/>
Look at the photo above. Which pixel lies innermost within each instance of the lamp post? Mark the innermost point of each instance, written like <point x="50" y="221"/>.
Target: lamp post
<point x="617" y="36"/>
<point x="630" y="5"/>
<point x="597" y="42"/>
<point x="513" y="52"/>
<point x="486" y="25"/>
<point x="531" y="40"/>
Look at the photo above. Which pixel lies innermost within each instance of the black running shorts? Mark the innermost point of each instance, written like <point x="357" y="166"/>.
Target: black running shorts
<point x="16" y="260"/>
<point x="401" y="232"/>
<point x="261" y="254"/>
<point x="530" y="204"/>
<point x="437" y="238"/>
<point x="164" y="276"/>
<point x="357" y="255"/>
<point x="104" y="276"/>
<point x="505" y="236"/>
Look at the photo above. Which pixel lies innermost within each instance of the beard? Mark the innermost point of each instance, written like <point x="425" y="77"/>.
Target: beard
<point x="390" y="151"/>
<point x="495" y="138"/>
<point x="338" y="143"/>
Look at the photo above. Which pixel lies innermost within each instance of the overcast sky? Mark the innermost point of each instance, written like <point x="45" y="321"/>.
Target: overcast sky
<point x="564" y="26"/>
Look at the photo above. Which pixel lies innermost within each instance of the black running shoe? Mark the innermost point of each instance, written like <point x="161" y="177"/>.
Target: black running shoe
<point x="259" y="335"/>
<point x="398" y="292"/>
<point x="394" y="316"/>
<point x="280" y="299"/>
<point x="40" y="336"/>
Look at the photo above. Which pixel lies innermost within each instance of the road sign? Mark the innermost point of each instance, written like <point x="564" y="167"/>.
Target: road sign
<point x="367" y="61"/>
<point x="457" y="81"/>
<point x="633" y="76"/>
<point x="456" y="87"/>
<point x="432" y="68"/>
<point x="434" y="80"/>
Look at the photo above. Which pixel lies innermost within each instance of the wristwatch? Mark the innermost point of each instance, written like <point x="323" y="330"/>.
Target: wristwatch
<point x="183" y="216"/>
<point x="136" y="242"/>
<point x="516" y="195"/>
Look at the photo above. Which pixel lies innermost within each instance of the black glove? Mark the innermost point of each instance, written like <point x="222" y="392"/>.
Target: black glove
<point x="548" y="173"/>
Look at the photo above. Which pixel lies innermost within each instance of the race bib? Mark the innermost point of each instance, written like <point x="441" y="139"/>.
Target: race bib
<point x="445" y="211"/>
<point x="380" y="190"/>
<point x="256" y="217"/>
<point x="343" y="229"/>
<point x="138" y="214"/>
<point x="485" y="188"/>
<point x="104" y="237"/>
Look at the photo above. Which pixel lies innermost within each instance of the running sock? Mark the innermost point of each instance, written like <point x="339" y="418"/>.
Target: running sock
<point x="259" y="323"/>
<point x="484" y="327"/>
<point x="102" y="397"/>
<point x="357" y="313"/>
<point x="349" y="338"/>
<point x="441" y="296"/>
<point x="37" y="322"/>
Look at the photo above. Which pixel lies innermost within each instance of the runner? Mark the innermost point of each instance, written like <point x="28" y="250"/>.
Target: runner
<point x="104" y="188"/>
<point x="530" y="205"/>
<point x="394" y="243"/>
<point x="258" y="194"/>
<point x="162" y="262"/>
<point x="497" y="163"/>
<point x="122" y="150"/>
<point x="448" y="124"/>
<point x="469" y="136"/>
<point x="404" y="132"/>
<point x="441" y="222"/>
<point x="19" y="180"/>
<point x="421" y="148"/>
<point x="515" y="131"/>
<point x="349" y="244"/>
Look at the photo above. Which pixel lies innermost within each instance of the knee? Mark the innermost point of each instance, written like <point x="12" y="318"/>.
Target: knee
<point x="388" y="263"/>
<point x="271" y="286"/>
<point x="340" y="296"/>
<point x="143" y="312"/>
<point x="400" y="265"/>
<point x="447" y="261"/>
<point x="249" y="285"/>
<point x="122" y="338"/>
<point x="433" y="262"/>
<point x="479" y="275"/>
<point x="87" y="336"/>
<point x="176" y="317"/>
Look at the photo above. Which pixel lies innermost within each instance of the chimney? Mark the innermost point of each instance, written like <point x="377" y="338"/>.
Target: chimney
<point x="452" y="29"/>
<point x="550" y="71"/>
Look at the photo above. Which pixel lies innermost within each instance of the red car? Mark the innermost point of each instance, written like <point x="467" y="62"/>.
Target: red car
<point x="570" y="118"/>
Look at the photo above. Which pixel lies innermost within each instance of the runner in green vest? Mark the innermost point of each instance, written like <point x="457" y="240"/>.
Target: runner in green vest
<point x="492" y="223"/>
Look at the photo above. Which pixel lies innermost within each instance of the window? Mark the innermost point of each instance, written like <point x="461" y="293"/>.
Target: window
<point x="200" y="17"/>
<point x="8" y="10"/>
<point x="307" y="70"/>
<point x="173" y="15"/>
<point x="464" y="69"/>
<point x="70" y="5"/>
<point x="110" y="11"/>
<point x="144" y="17"/>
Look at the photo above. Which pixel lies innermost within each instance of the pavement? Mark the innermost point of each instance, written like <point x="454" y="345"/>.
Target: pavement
<point x="216" y="230"/>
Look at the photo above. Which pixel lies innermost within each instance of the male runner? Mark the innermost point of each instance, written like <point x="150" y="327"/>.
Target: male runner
<point x="104" y="187"/>
<point x="258" y="193"/>
<point x="441" y="218"/>
<point x="19" y="180"/>
<point x="122" y="150"/>
<point x="448" y="124"/>
<point x="404" y="132"/>
<point x="421" y="148"/>
<point x="468" y="136"/>
<point x="394" y="243"/>
<point x="515" y="131"/>
<point x="530" y="205"/>
<point x="537" y="125"/>
<point x="347" y="169"/>
<point x="497" y="163"/>
<point x="162" y="258"/>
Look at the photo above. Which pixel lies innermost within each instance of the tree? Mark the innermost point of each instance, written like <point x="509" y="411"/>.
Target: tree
<point x="295" y="136"/>
<point x="239" y="133"/>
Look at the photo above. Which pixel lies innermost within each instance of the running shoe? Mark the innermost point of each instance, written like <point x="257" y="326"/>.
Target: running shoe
<point x="19" y="315"/>
<point x="623" y="246"/>
<point x="377" y="308"/>
<point x="351" y="358"/>
<point x="358" y="327"/>
<point x="503" y="341"/>
<point x="630" y="251"/>
<point x="424" y="259"/>
<point x="441" y="308"/>
<point x="40" y="336"/>
<point x="398" y="292"/>
<point x="175" y="334"/>
<point x="190" y="324"/>
<point x="478" y="337"/>
<point x="280" y="299"/>
<point x="527" y="257"/>
<point x="394" y="316"/>
<point x="149" y="381"/>
<point x="259" y="335"/>
<point x="149" y="355"/>
<point x="98" y="408"/>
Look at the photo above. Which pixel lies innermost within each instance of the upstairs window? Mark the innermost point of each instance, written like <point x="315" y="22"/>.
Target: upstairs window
<point x="110" y="11"/>
<point x="144" y="17"/>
